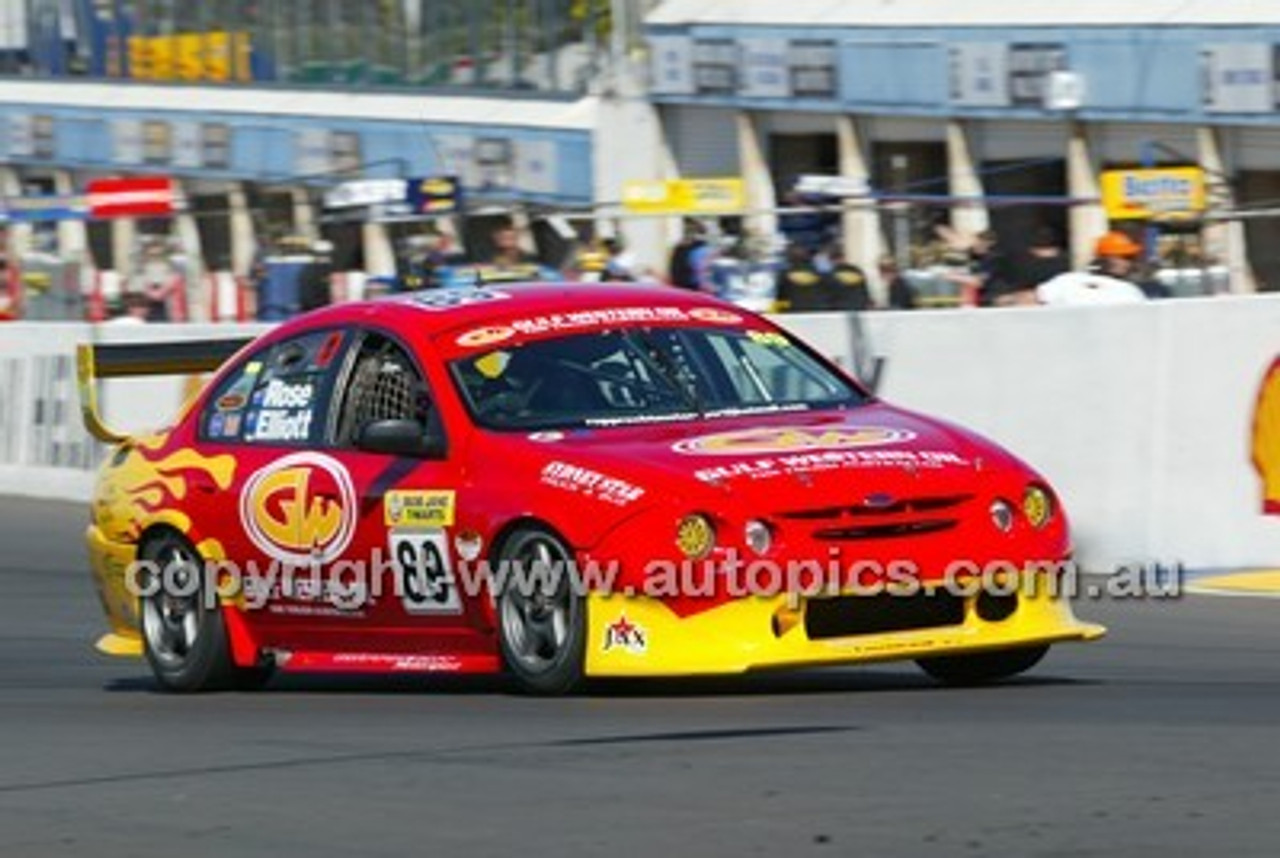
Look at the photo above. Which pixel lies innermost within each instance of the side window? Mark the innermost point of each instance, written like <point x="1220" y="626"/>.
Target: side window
<point x="279" y="396"/>
<point x="384" y="384"/>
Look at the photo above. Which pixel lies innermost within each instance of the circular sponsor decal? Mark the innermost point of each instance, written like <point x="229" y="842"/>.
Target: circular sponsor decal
<point x="791" y="439"/>
<point x="468" y="544"/>
<point x="486" y="336"/>
<point x="715" y="315"/>
<point x="300" y="508"/>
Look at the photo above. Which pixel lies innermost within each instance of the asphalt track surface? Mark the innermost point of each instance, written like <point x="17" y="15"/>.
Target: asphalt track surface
<point x="1162" y="740"/>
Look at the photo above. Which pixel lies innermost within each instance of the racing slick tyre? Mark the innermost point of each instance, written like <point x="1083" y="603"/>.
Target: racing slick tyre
<point x="983" y="667"/>
<point x="542" y="618"/>
<point x="184" y="637"/>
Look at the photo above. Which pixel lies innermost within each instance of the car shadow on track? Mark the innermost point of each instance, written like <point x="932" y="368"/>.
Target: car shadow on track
<point x="831" y="681"/>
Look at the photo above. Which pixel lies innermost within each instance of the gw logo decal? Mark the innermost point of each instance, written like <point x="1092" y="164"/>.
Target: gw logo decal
<point x="300" y="509"/>
<point x="791" y="439"/>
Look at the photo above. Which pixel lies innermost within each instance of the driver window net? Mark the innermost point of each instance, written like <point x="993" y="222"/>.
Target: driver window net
<point x="384" y="386"/>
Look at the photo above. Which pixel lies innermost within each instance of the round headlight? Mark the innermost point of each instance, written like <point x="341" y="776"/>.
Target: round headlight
<point x="1037" y="506"/>
<point x="758" y="536"/>
<point x="695" y="536"/>
<point x="1002" y="516"/>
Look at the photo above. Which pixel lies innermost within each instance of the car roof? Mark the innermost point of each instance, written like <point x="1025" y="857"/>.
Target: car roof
<point x="437" y="312"/>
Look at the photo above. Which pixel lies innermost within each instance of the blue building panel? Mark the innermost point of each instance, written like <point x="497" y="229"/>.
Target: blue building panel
<point x="1162" y="72"/>
<point x="893" y="74"/>
<point x="393" y="150"/>
<point x="1148" y="73"/>
<point x="576" y="167"/>
<point x="83" y="141"/>
<point x="262" y="152"/>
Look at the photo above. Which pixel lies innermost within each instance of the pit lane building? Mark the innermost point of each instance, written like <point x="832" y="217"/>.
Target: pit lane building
<point x="980" y="103"/>
<point x="962" y="107"/>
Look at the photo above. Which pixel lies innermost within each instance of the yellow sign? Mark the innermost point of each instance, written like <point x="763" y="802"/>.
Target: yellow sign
<point x="1142" y="194"/>
<point x="685" y="197"/>
<point x="419" y="508"/>
<point x="214" y="56"/>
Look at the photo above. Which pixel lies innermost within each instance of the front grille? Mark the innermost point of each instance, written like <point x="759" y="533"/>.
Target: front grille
<point x="902" y="506"/>
<point x="848" y="616"/>
<point x="881" y="517"/>
<point x="893" y="530"/>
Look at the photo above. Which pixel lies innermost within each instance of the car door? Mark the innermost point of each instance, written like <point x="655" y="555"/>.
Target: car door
<point x="408" y="514"/>
<point x="290" y="510"/>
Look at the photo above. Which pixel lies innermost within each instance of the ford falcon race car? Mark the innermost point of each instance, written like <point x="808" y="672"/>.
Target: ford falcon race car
<point x="560" y="482"/>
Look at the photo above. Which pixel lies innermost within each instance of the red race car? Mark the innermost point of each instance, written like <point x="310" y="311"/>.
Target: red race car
<point x="562" y="482"/>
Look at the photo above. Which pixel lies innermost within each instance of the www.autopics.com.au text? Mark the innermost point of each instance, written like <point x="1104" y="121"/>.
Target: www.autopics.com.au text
<point x="354" y="584"/>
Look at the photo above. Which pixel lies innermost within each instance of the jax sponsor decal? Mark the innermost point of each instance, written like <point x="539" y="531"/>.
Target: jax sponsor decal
<point x="589" y="483"/>
<point x="791" y="439"/>
<point x="622" y="634"/>
<point x="300" y="509"/>
<point x="432" y="508"/>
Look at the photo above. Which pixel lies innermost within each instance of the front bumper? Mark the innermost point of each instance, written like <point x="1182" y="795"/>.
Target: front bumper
<point x="641" y="636"/>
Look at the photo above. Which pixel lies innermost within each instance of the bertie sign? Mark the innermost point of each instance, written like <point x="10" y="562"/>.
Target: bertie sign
<point x="1141" y="194"/>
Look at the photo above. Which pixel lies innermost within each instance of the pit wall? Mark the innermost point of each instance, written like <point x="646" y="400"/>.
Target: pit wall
<point x="1142" y="416"/>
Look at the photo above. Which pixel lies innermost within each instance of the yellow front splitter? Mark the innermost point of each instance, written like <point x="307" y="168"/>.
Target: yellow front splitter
<point x="640" y="636"/>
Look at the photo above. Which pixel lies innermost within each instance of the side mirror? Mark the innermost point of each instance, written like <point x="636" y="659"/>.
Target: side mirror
<point x="402" y="438"/>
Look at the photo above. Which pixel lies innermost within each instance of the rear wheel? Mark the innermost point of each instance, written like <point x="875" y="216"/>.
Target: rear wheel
<point x="982" y="668"/>
<point x="541" y="616"/>
<point x="183" y="632"/>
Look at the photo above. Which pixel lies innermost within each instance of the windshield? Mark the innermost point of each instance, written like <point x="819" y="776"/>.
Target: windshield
<point x="637" y="375"/>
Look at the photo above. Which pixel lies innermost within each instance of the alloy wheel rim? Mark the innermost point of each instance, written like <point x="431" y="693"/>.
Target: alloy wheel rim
<point x="536" y="613"/>
<point x="173" y="618"/>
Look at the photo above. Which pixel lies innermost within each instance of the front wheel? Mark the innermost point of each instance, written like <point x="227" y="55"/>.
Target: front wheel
<point x="982" y="668"/>
<point x="183" y="632"/>
<point x="541" y="615"/>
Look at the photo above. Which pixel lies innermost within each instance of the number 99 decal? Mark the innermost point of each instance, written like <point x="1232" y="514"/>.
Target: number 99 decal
<point x="426" y="584"/>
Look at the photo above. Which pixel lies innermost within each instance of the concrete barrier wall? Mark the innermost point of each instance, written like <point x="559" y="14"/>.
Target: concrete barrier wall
<point x="44" y="449"/>
<point x="1140" y="416"/>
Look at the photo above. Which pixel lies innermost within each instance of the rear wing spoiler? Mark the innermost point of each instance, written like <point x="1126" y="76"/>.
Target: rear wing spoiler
<point x="135" y="360"/>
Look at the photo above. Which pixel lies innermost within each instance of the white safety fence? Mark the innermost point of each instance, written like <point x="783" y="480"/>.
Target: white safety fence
<point x="44" y="449"/>
<point x="1140" y="416"/>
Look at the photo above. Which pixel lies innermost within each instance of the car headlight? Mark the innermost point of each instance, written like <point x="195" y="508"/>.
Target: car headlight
<point x="1002" y="515"/>
<point x="758" y="536"/>
<point x="1037" y="506"/>
<point x="695" y="536"/>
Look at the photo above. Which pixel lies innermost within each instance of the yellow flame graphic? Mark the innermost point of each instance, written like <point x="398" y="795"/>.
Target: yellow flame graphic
<point x="143" y="486"/>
